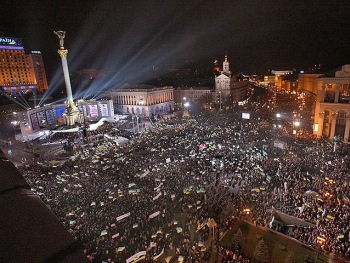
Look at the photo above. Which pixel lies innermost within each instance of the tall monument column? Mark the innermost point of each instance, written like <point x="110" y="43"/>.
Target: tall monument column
<point x="72" y="113"/>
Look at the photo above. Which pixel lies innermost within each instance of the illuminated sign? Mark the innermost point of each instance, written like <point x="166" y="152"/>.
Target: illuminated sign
<point x="104" y="109"/>
<point x="34" y="120"/>
<point x="10" y="41"/>
<point x="50" y="117"/>
<point x="59" y="113"/>
<point x="41" y="117"/>
<point x="11" y="47"/>
<point x="93" y="110"/>
<point x="36" y="52"/>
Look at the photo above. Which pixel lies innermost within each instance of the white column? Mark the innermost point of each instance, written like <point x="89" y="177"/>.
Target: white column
<point x="347" y="128"/>
<point x="63" y="54"/>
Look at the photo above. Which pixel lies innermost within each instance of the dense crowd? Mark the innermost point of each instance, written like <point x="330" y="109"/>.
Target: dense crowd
<point x="148" y="196"/>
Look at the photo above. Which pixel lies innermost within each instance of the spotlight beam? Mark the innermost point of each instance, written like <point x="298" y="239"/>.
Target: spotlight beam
<point x="24" y="100"/>
<point x="12" y="99"/>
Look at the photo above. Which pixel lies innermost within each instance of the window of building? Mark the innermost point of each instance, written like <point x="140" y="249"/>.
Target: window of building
<point x="341" y="118"/>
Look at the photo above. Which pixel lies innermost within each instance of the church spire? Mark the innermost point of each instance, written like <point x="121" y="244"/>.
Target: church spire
<point x="226" y="65"/>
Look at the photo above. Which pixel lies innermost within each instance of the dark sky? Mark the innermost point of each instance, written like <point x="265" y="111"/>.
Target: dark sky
<point x="128" y="36"/>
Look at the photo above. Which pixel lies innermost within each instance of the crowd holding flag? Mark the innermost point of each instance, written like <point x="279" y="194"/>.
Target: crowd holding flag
<point x="118" y="206"/>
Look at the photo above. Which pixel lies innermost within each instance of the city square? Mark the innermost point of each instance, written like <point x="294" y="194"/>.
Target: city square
<point x="134" y="143"/>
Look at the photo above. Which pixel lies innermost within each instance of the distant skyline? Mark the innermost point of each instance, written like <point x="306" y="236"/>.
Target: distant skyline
<point x="129" y="37"/>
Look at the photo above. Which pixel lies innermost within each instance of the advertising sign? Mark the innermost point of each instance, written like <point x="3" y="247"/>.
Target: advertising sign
<point x="59" y="113"/>
<point x="34" y="121"/>
<point x="93" y="110"/>
<point x="50" y="117"/>
<point x="104" y="110"/>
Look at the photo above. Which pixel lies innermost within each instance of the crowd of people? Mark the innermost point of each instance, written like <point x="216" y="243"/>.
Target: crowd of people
<point x="146" y="199"/>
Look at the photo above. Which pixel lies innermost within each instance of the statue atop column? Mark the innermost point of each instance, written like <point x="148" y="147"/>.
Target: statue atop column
<point x="72" y="114"/>
<point x="61" y="35"/>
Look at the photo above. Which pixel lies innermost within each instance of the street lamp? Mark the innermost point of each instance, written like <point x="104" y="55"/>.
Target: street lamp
<point x="183" y="101"/>
<point x="185" y="111"/>
<point x="296" y="124"/>
<point x="14" y="124"/>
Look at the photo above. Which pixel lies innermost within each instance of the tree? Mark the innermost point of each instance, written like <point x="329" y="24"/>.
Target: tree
<point x="261" y="253"/>
<point x="239" y="239"/>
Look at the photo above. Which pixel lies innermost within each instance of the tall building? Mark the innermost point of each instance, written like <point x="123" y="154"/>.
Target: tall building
<point x="20" y="72"/>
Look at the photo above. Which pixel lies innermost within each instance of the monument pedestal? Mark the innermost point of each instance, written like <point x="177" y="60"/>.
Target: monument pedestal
<point x="72" y="115"/>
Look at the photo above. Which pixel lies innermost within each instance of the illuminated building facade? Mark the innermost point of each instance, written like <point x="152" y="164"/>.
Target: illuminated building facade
<point x="224" y="81"/>
<point x="20" y="72"/>
<point x="229" y="89"/>
<point x="307" y="82"/>
<point x="269" y="80"/>
<point x="278" y="77"/>
<point x="144" y="100"/>
<point x="332" y="111"/>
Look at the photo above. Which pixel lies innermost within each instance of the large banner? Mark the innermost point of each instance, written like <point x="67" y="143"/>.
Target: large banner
<point x="41" y="117"/>
<point x="93" y="110"/>
<point x="154" y="215"/>
<point x="59" y="113"/>
<point x="34" y="121"/>
<point x="123" y="216"/>
<point x="50" y="117"/>
<point x="136" y="256"/>
<point x="280" y="144"/>
<point x="104" y="110"/>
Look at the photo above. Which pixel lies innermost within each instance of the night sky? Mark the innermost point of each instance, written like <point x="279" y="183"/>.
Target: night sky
<point x="128" y="37"/>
